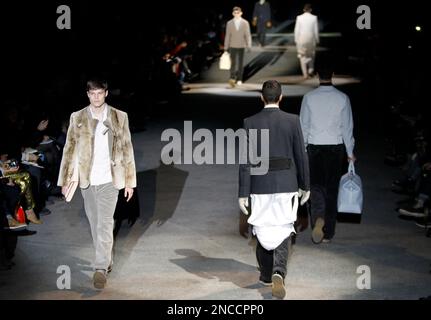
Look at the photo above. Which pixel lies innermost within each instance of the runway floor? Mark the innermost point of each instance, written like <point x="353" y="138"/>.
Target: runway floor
<point x="186" y="243"/>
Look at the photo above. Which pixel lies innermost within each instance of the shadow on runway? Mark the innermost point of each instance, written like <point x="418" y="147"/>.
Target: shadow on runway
<point x="157" y="195"/>
<point x="225" y="270"/>
<point x="260" y="61"/>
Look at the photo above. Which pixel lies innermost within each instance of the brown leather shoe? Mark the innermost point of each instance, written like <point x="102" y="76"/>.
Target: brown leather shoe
<point x="278" y="289"/>
<point x="14" y="224"/>
<point x="317" y="233"/>
<point x="31" y="216"/>
<point x="99" y="279"/>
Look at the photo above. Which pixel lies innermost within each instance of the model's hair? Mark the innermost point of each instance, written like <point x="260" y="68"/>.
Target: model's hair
<point x="308" y="7"/>
<point x="95" y="83"/>
<point x="325" y="68"/>
<point x="271" y="91"/>
<point x="236" y="9"/>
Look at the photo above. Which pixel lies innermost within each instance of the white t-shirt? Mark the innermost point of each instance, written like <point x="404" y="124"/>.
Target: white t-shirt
<point x="101" y="168"/>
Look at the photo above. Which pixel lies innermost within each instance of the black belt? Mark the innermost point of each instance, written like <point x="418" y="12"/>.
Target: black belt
<point x="276" y="164"/>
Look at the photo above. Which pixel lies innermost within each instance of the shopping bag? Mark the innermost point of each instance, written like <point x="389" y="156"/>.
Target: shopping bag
<point x="350" y="196"/>
<point x="225" y="62"/>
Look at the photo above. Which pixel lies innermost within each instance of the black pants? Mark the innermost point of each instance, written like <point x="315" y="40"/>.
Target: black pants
<point x="425" y="184"/>
<point x="237" y="63"/>
<point x="9" y="198"/>
<point x="261" y="37"/>
<point x="326" y="165"/>
<point x="272" y="261"/>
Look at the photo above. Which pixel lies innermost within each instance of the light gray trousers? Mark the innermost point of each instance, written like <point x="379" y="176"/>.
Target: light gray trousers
<point x="307" y="65"/>
<point x="99" y="203"/>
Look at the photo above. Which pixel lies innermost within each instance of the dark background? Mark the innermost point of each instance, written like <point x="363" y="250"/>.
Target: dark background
<point x="47" y="67"/>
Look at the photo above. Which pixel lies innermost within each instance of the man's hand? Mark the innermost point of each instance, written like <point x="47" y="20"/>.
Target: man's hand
<point x="243" y="203"/>
<point x="304" y="195"/>
<point x="64" y="190"/>
<point x="351" y="158"/>
<point x="43" y="125"/>
<point x="7" y="169"/>
<point x="128" y="193"/>
<point x="33" y="157"/>
<point x="248" y="49"/>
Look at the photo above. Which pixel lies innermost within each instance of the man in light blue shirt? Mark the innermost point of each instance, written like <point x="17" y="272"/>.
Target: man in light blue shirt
<point x="327" y="127"/>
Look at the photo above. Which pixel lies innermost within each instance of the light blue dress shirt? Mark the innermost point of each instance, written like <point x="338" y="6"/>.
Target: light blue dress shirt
<point x="326" y="118"/>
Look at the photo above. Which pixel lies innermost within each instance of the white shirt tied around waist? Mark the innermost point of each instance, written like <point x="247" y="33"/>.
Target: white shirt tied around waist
<point x="101" y="168"/>
<point x="273" y="217"/>
<point x="326" y="118"/>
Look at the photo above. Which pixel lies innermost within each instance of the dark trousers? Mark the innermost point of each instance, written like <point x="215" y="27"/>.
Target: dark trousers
<point x="237" y="63"/>
<point x="425" y="184"/>
<point x="326" y="165"/>
<point x="261" y="37"/>
<point x="272" y="261"/>
<point x="9" y="197"/>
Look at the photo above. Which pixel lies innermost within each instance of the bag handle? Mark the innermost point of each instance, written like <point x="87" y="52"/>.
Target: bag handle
<point x="351" y="168"/>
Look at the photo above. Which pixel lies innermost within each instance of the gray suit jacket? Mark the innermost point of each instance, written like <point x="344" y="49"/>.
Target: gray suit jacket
<point x="286" y="141"/>
<point x="237" y="38"/>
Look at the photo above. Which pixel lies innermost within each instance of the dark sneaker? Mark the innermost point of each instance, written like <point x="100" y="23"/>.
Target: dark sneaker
<point x="317" y="233"/>
<point x="265" y="282"/>
<point x="423" y="224"/>
<point x="278" y="289"/>
<point x="413" y="212"/>
<point x="99" y="279"/>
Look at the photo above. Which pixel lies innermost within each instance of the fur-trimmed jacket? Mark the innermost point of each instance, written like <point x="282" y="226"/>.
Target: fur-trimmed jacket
<point x="78" y="150"/>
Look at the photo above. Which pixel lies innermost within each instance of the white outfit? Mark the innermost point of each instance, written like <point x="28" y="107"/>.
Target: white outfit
<point x="101" y="168"/>
<point x="306" y="39"/>
<point x="273" y="217"/>
<point x="326" y="118"/>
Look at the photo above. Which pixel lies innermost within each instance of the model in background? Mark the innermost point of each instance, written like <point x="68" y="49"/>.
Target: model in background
<point x="262" y="20"/>
<point x="306" y="39"/>
<point x="237" y="40"/>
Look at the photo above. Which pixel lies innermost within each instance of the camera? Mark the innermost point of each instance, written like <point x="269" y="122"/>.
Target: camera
<point x="13" y="163"/>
